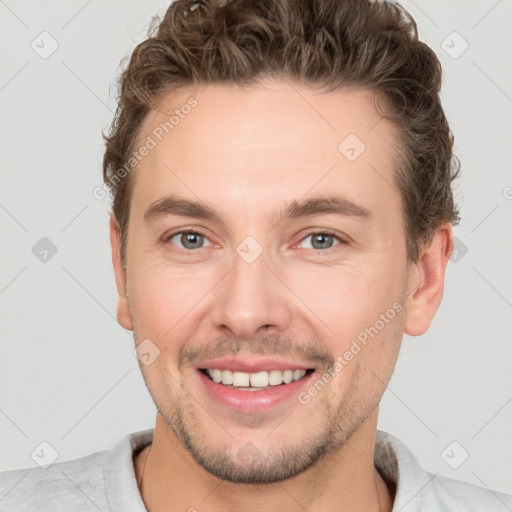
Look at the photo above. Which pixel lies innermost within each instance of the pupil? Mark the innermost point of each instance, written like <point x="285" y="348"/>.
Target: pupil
<point x="193" y="239"/>
<point x="324" y="239"/>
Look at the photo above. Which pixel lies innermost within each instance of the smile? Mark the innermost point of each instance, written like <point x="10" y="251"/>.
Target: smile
<point x="254" y="381"/>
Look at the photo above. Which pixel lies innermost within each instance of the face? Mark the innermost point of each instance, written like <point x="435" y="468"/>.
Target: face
<point x="258" y="243"/>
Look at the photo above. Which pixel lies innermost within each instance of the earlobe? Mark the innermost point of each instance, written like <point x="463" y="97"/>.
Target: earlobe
<point x="123" y="309"/>
<point x="426" y="282"/>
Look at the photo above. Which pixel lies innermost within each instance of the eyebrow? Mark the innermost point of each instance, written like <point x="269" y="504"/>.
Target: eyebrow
<point x="338" y="205"/>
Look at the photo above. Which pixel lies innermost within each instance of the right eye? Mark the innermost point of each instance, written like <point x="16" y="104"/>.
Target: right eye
<point x="189" y="240"/>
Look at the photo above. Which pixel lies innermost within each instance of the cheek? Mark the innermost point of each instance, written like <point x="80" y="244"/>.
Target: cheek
<point x="165" y="298"/>
<point x="361" y="307"/>
<point x="346" y="299"/>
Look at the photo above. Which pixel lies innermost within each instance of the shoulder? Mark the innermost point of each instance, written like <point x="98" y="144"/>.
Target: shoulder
<point x="104" y="480"/>
<point x="454" y="494"/>
<point x="72" y="485"/>
<point x="418" y="490"/>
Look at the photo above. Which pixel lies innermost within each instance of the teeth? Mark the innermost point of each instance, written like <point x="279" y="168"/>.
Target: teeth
<point x="255" y="380"/>
<point x="259" y="380"/>
<point x="227" y="377"/>
<point x="275" y="377"/>
<point x="288" y="376"/>
<point x="298" y="374"/>
<point x="240" y="379"/>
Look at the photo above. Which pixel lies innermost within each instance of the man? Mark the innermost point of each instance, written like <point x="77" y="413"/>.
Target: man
<point x="282" y="213"/>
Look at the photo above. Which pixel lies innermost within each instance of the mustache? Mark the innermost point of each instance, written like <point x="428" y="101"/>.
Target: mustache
<point x="269" y="345"/>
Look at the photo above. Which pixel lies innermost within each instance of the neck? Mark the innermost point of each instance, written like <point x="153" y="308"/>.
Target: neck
<point x="169" y="479"/>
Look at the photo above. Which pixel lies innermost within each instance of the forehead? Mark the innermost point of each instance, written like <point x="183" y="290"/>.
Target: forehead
<point x="265" y="145"/>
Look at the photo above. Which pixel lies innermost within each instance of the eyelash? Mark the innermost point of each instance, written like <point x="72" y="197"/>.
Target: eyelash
<point x="328" y="232"/>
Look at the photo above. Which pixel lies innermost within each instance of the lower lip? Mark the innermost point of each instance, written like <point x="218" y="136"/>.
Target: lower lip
<point x="254" y="401"/>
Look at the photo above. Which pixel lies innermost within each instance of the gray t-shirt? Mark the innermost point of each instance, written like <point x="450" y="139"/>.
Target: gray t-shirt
<point x="105" y="481"/>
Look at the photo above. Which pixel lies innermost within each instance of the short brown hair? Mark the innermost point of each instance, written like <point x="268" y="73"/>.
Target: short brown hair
<point x="330" y="43"/>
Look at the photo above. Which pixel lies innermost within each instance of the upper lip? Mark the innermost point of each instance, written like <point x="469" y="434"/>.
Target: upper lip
<point x="251" y="365"/>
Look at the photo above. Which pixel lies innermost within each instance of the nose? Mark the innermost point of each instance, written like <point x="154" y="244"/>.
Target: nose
<point x="251" y="300"/>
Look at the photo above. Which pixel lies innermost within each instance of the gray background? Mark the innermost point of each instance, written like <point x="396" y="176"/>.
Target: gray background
<point x="67" y="370"/>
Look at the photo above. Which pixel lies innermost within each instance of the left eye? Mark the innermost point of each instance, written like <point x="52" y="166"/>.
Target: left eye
<point x="322" y="240"/>
<point x="190" y="240"/>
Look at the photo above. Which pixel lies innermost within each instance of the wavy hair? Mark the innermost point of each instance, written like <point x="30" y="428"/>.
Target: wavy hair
<point x="328" y="43"/>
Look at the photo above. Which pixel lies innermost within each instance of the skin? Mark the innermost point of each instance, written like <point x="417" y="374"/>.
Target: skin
<point x="247" y="153"/>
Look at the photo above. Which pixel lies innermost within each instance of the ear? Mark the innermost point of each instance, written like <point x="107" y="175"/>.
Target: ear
<point x="123" y="309"/>
<point x="426" y="281"/>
